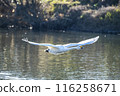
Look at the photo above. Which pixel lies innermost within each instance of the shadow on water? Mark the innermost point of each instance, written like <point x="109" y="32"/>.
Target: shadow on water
<point x="19" y="60"/>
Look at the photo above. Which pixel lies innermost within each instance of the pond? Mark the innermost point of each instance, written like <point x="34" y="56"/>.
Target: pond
<point x="20" y="60"/>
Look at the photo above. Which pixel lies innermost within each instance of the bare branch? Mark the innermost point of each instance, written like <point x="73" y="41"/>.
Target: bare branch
<point x="15" y="2"/>
<point x="27" y="2"/>
<point x="21" y="1"/>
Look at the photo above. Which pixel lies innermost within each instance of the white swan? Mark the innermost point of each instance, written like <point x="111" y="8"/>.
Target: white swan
<point x="58" y="49"/>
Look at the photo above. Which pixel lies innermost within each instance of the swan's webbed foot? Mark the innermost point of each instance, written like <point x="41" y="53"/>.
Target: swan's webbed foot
<point x="81" y="47"/>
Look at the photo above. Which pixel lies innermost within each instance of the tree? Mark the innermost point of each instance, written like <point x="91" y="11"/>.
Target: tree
<point x="22" y="12"/>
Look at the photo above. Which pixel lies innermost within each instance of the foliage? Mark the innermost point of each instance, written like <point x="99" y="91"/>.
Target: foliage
<point x="108" y="16"/>
<point x="60" y="14"/>
<point x="22" y="13"/>
<point x="54" y="5"/>
<point x="113" y="16"/>
<point x="100" y="2"/>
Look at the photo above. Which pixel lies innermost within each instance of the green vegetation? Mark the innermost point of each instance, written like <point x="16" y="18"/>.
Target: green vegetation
<point x="81" y="15"/>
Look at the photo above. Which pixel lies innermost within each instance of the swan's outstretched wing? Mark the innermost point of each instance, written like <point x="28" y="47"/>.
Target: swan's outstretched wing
<point x="40" y="44"/>
<point x="84" y="42"/>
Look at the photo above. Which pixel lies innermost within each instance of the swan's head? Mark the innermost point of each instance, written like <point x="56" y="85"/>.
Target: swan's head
<point x="47" y="50"/>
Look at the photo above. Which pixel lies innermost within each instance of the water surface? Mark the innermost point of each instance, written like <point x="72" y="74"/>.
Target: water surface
<point x="19" y="60"/>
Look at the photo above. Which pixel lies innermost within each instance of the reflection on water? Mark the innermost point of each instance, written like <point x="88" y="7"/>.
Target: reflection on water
<point x="19" y="60"/>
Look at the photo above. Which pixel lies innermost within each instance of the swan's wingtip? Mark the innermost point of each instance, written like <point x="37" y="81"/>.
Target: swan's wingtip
<point x="25" y="39"/>
<point x="97" y="36"/>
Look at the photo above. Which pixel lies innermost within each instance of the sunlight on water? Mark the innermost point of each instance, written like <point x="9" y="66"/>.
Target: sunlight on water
<point x="21" y="61"/>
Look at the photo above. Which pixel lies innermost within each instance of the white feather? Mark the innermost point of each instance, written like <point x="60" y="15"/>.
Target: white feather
<point x="84" y="42"/>
<point x="58" y="49"/>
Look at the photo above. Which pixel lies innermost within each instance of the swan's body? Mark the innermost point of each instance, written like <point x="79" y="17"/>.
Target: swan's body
<point x="58" y="49"/>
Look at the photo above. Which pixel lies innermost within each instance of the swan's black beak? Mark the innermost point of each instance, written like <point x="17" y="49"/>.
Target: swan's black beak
<point x="47" y="50"/>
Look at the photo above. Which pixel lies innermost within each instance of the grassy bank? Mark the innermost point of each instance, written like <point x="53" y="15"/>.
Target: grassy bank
<point x="61" y="15"/>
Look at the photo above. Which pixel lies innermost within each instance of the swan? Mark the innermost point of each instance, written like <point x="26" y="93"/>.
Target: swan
<point x="59" y="49"/>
